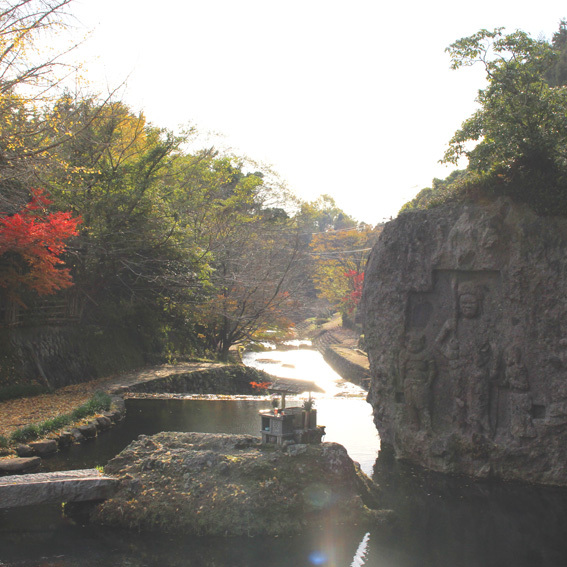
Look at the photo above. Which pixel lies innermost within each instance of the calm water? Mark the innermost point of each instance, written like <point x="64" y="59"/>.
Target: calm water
<point x="348" y="422"/>
<point x="441" y="521"/>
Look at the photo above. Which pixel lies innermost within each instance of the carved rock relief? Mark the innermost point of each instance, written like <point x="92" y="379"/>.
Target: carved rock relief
<point x="417" y="370"/>
<point x="484" y="294"/>
<point x="515" y="379"/>
<point x="453" y="371"/>
<point x="473" y="242"/>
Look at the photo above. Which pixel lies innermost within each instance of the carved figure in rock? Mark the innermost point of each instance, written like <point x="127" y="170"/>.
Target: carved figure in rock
<point x="520" y="402"/>
<point x="478" y="389"/>
<point x="417" y="371"/>
<point x="464" y="342"/>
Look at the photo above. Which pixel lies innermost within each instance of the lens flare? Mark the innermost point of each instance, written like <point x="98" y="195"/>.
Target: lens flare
<point x="318" y="558"/>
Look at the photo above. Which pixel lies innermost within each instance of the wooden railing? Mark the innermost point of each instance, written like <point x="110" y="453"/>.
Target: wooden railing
<point x="59" y="310"/>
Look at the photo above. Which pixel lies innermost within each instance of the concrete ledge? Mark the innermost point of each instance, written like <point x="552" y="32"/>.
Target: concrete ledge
<point x="66" y="486"/>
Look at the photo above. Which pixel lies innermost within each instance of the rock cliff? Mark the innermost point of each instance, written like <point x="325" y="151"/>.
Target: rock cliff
<point x="465" y="311"/>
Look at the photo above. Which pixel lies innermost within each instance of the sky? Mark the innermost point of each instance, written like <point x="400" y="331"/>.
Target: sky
<point x="354" y="99"/>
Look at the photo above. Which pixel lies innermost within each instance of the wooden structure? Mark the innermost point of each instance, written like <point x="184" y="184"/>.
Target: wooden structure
<point x="291" y="424"/>
<point x="64" y="308"/>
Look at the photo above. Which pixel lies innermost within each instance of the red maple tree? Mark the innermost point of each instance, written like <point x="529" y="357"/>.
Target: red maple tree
<point x="352" y="298"/>
<point x="31" y="243"/>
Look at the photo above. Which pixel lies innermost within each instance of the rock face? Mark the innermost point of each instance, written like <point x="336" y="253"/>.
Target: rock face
<point x="465" y="312"/>
<point x="219" y="484"/>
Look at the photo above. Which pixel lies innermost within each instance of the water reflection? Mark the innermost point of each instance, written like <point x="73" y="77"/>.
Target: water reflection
<point x="304" y="365"/>
<point x="75" y="546"/>
<point x="456" y="521"/>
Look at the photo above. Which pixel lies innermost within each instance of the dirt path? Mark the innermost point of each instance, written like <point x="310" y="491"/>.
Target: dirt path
<point x="24" y="411"/>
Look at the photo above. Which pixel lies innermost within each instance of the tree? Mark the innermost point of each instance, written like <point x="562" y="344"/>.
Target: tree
<point x="128" y="264"/>
<point x="557" y="75"/>
<point x="519" y="133"/>
<point x="253" y="251"/>
<point x="31" y="244"/>
<point x="323" y="214"/>
<point x="439" y="190"/>
<point x="27" y="81"/>
<point x="352" y="298"/>
<point x="340" y="258"/>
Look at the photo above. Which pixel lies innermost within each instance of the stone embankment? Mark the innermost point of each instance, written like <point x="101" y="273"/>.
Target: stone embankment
<point x="339" y="349"/>
<point x="56" y="487"/>
<point x="29" y="455"/>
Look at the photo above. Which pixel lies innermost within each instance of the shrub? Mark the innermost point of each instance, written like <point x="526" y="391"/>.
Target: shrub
<point x="25" y="434"/>
<point x="99" y="402"/>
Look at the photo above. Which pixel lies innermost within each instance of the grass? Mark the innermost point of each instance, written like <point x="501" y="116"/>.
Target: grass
<point x="100" y="401"/>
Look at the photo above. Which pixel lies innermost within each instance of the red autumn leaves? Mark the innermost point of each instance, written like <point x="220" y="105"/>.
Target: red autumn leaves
<point x="31" y="243"/>
<point x="260" y="386"/>
<point x="356" y="280"/>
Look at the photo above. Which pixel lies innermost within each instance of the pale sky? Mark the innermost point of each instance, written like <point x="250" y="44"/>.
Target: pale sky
<point x="354" y="99"/>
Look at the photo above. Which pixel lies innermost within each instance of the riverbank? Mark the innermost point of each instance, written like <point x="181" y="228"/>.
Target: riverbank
<point x="18" y="413"/>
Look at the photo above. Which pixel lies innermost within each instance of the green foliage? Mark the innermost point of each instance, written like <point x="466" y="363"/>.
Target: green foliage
<point x="26" y="433"/>
<point x="517" y="140"/>
<point x="441" y="191"/>
<point x="54" y="423"/>
<point x="323" y="214"/>
<point x="557" y="74"/>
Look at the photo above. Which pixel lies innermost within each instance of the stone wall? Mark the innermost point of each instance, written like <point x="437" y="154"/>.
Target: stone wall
<point x="340" y="354"/>
<point x="465" y="312"/>
<point x="57" y="356"/>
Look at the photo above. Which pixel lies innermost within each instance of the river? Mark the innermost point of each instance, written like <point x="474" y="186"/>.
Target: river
<point x="443" y="521"/>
